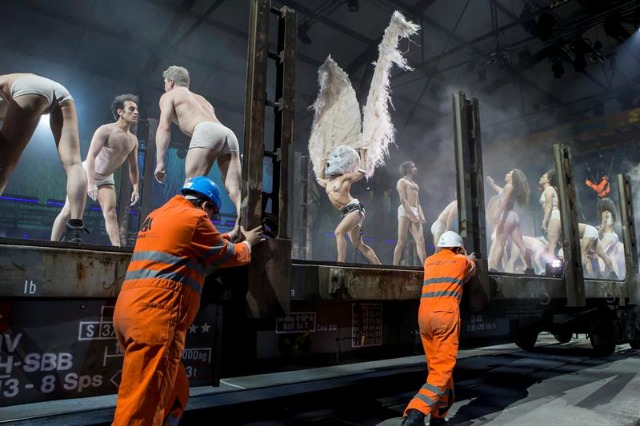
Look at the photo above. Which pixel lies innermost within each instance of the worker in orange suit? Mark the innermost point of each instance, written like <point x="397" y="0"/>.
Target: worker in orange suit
<point x="160" y="298"/>
<point x="602" y="188"/>
<point x="445" y="273"/>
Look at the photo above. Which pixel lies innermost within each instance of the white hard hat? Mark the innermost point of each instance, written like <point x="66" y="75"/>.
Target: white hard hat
<point x="450" y="239"/>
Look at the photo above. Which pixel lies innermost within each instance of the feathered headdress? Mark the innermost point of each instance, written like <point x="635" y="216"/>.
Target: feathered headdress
<point x="338" y="119"/>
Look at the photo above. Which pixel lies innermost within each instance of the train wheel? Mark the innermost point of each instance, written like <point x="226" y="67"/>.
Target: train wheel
<point x="603" y="343"/>
<point x="563" y="336"/>
<point x="527" y="339"/>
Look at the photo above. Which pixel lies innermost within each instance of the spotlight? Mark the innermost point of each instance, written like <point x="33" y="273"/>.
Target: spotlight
<point x="303" y="29"/>
<point x="554" y="268"/>
<point x="353" y="5"/>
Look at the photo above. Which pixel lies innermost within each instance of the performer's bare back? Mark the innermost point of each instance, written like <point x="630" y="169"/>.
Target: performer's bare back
<point x="189" y="109"/>
<point x="117" y="146"/>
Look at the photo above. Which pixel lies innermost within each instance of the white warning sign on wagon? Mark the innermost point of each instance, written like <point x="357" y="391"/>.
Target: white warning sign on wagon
<point x="296" y="322"/>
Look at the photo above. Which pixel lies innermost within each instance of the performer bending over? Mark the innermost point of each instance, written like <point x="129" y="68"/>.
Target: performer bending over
<point x="444" y="222"/>
<point x="210" y="140"/>
<point x="26" y="98"/>
<point x="338" y="187"/>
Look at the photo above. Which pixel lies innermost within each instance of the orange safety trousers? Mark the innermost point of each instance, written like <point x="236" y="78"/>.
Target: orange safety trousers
<point x="439" y="323"/>
<point x="151" y="325"/>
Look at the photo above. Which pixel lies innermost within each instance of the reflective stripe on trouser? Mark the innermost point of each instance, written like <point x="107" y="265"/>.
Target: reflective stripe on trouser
<point x="151" y="328"/>
<point x="439" y="331"/>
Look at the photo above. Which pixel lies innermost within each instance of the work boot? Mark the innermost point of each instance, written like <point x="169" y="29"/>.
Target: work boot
<point x="73" y="233"/>
<point x="413" y="418"/>
<point x="529" y="271"/>
<point x="438" y="422"/>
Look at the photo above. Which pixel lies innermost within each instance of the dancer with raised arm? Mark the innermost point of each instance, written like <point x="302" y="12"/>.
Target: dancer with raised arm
<point x="515" y="190"/>
<point x="339" y="128"/>
<point x="551" y="224"/>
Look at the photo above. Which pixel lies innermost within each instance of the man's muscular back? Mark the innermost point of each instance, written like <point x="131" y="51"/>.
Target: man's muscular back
<point x="190" y="109"/>
<point x="117" y="147"/>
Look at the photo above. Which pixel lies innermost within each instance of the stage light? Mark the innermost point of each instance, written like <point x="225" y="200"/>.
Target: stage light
<point x="555" y="268"/>
<point x="353" y="5"/>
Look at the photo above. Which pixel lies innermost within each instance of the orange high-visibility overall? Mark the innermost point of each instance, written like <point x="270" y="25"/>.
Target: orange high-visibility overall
<point x="159" y="300"/>
<point x="439" y="320"/>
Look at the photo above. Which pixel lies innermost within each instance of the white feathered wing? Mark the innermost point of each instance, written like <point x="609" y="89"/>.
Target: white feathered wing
<point x="377" y="129"/>
<point x="337" y="119"/>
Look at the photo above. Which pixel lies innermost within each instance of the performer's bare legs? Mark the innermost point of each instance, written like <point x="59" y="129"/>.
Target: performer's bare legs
<point x="351" y="225"/>
<point x="231" y="170"/>
<point x="21" y="119"/>
<point x="405" y="225"/>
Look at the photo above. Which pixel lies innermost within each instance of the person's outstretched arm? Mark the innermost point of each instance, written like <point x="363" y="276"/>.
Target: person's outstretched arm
<point x="163" y="135"/>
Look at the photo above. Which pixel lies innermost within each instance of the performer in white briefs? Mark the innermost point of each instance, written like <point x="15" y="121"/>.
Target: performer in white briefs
<point x="210" y="140"/>
<point x="112" y="144"/>
<point x="410" y="215"/>
<point x="24" y="98"/>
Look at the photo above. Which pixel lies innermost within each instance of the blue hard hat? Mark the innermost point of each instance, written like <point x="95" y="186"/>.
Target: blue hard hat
<point x="202" y="185"/>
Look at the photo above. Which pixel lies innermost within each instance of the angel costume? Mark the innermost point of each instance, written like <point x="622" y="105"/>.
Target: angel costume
<point x="340" y="128"/>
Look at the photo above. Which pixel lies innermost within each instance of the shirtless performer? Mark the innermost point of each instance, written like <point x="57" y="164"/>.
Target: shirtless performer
<point x="24" y="98"/>
<point x="210" y="140"/>
<point x="111" y="145"/>
<point x="444" y="222"/>
<point x="351" y="210"/>
<point x="410" y="215"/>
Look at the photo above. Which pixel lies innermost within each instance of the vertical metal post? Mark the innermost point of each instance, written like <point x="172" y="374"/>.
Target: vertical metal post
<point x="629" y="238"/>
<point x="299" y="240"/>
<point x="146" y="183"/>
<point x="310" y="202"/>
<point x="573" y="275"/>
<point x="470" y="188"/>
<point x="257" y="52"/>
<point x="468" y="159"/>
<point x="285" y="95"/>
<point x="124" y="196"/>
